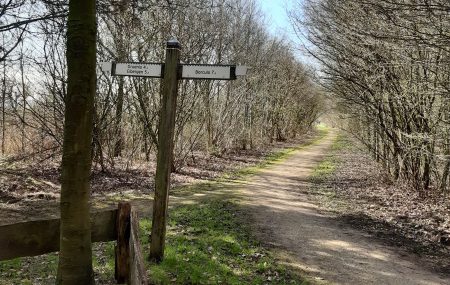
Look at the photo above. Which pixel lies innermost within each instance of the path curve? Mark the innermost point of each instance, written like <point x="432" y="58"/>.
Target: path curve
<point x="313" y="240"/>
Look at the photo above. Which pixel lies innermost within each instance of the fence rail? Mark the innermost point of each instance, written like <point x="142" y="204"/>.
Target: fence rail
<point x="42" y="236"/>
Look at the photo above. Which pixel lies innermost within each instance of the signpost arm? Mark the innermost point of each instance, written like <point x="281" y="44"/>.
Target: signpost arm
<point x="165" y="150"/>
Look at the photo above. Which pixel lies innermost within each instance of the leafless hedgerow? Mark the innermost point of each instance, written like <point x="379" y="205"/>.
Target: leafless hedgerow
<point x="386" y="63"/>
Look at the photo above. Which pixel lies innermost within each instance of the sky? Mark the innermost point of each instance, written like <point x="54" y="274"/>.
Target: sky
<point x="276" y="16"/>
<point x="279" y="25"/>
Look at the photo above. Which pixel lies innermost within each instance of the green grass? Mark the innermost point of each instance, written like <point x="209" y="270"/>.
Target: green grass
<point x="276" y="157"/>
<point x="322" y="126"/>
<point x="42" y="269"/>
<point x="328" y="166"/>
<point x="207" y="243"/>
<point x="30" y="270"/>
<point x="324" y="170"/>
<point x="341" y="142"/>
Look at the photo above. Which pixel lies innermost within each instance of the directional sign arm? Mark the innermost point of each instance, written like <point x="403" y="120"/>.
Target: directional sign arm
<point x="212" y="72"/>
<point x="137" y="69"/>
<point x="187" y="71"/>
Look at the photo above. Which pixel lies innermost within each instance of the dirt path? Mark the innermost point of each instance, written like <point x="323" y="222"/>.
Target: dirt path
<point x="314" y="240"/>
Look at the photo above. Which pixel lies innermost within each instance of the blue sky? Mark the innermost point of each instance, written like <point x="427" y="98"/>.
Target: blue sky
<point x="279" y="24"/>
<point x="276" y="15"/>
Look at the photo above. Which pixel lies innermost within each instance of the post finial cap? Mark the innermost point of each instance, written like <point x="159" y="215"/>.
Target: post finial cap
<point x="173" y="43"/>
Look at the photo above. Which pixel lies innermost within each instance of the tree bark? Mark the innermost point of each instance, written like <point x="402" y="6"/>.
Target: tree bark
<point x="445" y="175"/>
<point x="118" y="123"/>
<point x="3" y="107"/>
<point x="24" y="98"/>
<point x="75" y="256"/>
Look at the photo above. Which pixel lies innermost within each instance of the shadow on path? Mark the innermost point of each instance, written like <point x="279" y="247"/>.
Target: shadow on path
<point x="316" y="241"/>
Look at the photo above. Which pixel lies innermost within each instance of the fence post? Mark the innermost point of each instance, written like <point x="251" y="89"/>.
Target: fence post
<point x="122" y="249"/>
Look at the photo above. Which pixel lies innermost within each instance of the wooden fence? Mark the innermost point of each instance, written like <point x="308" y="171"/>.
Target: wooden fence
<point x="42" y="236"/>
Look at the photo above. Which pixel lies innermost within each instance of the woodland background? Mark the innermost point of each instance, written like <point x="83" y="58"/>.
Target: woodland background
<point x="381" y="72"/>
<point x="276" y="101"/>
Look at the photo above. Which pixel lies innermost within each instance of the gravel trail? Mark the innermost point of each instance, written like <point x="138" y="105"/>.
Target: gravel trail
<point x="314" y="240"/>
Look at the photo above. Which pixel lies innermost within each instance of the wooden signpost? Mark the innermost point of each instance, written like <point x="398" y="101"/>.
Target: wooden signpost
<point x="171" y="72"/>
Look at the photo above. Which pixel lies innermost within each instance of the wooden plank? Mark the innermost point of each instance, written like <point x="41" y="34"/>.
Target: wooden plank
<point x="42" y="236"/>
<point x="138" y="274"/>
<point x="122" y="250"/>
<point x="29" y="238"/>
<point x="103" y="225"/>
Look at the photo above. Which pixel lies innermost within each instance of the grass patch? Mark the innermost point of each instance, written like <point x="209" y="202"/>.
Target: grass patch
<point x="42" y="269"/>
<point x="323" y="171"/>
<point x="341" y="142"/>
<point x="324" y="168"/>
<point x="207" y="243"/>
<point x="327" y="166"/>
<point x="29" y="270"/>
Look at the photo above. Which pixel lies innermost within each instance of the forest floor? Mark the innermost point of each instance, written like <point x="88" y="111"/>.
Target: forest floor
<point x="29" y="189"/>
<point x="324" y="209"/>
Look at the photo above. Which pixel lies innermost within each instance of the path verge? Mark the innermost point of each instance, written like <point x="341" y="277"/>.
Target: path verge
<point x="349" y="183"/>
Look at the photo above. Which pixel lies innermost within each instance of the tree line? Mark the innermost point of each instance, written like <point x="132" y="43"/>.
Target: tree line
<point x="276" y="101"/>
<point x="386" y="62"/>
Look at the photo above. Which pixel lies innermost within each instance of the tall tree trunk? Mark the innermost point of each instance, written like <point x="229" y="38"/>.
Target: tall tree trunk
<point x="446" y="173"/>
<point x="246" y="126"/>
<point x="75" y="256"/>
<point x="97" y="152"/>
<point x="121" y="56"/>
<point x="3" y="107"/>
<point x="250" y="132"/>
<point x="24" y="98"/>
<point x="445" y="176"/>
<point x="209" y="134"/>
